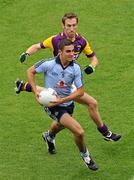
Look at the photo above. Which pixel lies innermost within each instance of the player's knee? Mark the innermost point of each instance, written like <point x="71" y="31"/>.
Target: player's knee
<point x="93" y="104"/>
<point x="79" y="133"/>
<point x="57" y="126"/>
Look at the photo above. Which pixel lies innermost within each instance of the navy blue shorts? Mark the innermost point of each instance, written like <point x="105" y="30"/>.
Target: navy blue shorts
<point x="57" y="112"/>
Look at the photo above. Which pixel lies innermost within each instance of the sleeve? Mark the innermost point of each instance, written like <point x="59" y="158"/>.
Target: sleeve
<point x="87" y="50"/>
<point x="47" y="43"/>
<point x="78" y="80"/>
<point x="42" y="66"/>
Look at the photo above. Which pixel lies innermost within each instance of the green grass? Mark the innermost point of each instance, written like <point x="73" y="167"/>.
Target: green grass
<point x="109" y="27"/>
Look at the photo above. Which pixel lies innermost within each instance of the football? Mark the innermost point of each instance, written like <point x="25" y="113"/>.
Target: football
<point x="73" y="88"/>
<point x="46" y="96"/>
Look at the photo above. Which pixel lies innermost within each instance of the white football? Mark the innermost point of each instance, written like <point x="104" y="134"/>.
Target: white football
<point x="46" y="96"/>
<point x="73" y="88"/>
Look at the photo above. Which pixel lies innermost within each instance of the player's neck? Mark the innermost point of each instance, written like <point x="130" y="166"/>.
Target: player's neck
<point x="70" y="38"/>
<point x="64" y="62"/>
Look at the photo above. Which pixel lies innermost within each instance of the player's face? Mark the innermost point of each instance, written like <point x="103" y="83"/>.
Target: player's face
<point x="67" y="54"/>
<point x="70" y="27"/>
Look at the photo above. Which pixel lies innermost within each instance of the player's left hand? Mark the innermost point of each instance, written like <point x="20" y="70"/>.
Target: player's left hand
<point x="23" y="57"/>
<point x="56" y="102"/>
<point x="89" y="69"/>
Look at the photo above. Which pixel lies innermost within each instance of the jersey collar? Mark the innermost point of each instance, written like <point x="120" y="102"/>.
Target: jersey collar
<point x="58" y="61"/>
<point x="64" y="35"/>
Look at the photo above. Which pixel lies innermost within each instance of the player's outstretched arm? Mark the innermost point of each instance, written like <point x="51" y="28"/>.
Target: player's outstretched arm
<point x="31" y="50"/>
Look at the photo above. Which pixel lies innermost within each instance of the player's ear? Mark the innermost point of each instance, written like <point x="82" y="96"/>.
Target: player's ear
<point x="63" y="26"/>
<point x="59" y="52"/>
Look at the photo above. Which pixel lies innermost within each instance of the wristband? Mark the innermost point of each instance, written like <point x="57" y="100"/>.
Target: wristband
<point x="89" y="69"/>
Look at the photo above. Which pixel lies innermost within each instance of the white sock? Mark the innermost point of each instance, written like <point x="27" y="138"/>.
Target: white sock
<point x="85" y="154"/>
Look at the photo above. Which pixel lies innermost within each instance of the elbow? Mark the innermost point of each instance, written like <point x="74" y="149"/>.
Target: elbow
<point x="31" y="71"/>
<point x="82" y="93"/>
<point x="97" y="62"/>
<point x="28" y="73"/>
<point x="94" y="61"/>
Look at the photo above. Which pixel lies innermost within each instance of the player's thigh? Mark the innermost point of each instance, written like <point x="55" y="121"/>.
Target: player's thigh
<point x="69" y="122"/>
<point x="86" y="99"/>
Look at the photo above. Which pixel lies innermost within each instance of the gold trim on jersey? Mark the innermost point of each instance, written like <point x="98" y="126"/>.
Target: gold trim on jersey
<point x="48" y="42"/>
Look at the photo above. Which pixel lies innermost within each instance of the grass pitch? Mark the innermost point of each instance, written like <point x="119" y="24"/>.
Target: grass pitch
<point x="108" y="25"/>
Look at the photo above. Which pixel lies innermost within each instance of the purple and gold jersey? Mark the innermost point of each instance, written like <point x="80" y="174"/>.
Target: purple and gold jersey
<point x="80" y="45"/>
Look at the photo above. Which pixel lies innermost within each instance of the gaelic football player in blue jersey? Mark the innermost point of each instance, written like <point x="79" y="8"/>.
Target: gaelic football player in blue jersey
<point x="62" y="69"/>
<point x="70" y="24"/>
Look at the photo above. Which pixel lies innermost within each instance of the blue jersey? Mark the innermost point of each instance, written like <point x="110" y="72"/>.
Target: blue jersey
<point x="58" y="77"/>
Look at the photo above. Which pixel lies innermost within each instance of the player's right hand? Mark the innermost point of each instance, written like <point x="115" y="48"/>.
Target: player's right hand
<point x="23" y="57"/>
